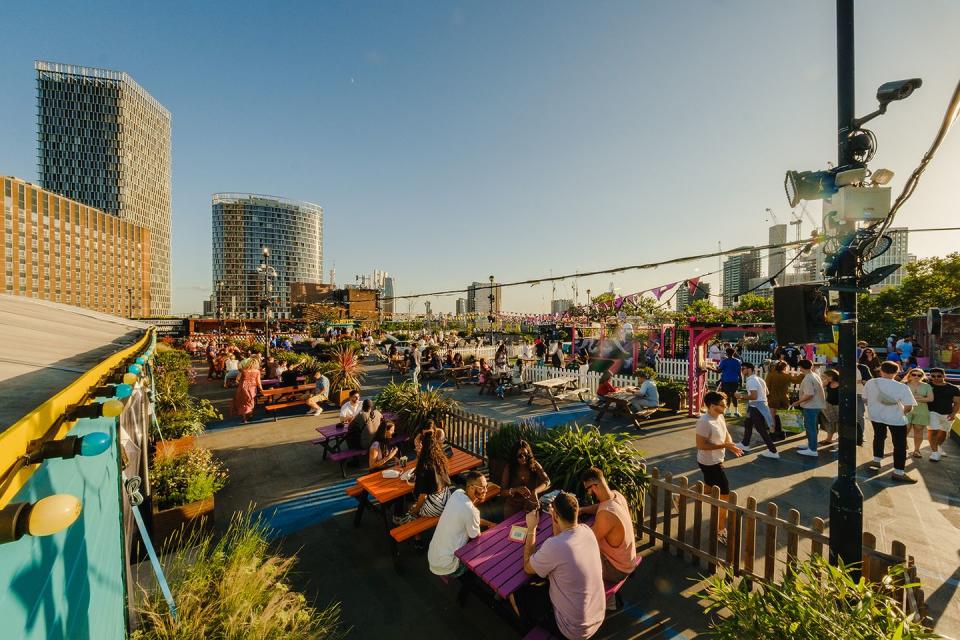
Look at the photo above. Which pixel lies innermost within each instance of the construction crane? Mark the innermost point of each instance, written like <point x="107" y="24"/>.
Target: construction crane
<point x="772" y="215"/>
<point x="806" y="213"/>
<point x="797" y="221"/>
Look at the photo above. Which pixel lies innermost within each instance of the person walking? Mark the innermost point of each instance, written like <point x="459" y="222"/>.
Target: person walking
<point x="812" y="401"/>
<point x="248" y="386"/>
<point x="919" y="417"/>
<point x="713" y="441"/>
<point x="779" y="380"/>
<point x="943" y="410"/>
<point x="888" y="402"/>
<point x="415" y="358"/>
<point x="831" y="410"/>
<point x="758" y="413"/>
<point x="729" y="369"/>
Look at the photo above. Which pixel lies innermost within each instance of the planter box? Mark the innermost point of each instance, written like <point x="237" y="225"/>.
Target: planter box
<point x="196" y="516"/>
<point x="172" y="448"/>
<point x="339" y="397"/>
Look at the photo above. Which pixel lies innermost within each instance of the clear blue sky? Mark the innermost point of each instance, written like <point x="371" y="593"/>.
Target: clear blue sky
<point x="450" y="141"/>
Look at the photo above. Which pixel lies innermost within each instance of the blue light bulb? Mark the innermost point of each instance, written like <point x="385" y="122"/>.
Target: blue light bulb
<point x="93" y="444"/>
<point x="141" y="360"/>
<point x="122" y="391"/>
<point x="134" y="368"/>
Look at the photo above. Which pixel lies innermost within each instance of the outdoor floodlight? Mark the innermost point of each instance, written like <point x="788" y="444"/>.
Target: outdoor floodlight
<point x="881" y="176"/>
<point x="877" y="276"/>
<point x="808" y="185"/>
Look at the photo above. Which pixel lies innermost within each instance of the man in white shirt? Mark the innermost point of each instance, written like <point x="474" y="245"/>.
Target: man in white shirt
<point x="350" y="408"/>
<point x="888" y="402"/>
<point x="459" y="522"/>
<point x="758" y="413"/>
<point x="812" y="401"/>
<point x="417" y="357"/>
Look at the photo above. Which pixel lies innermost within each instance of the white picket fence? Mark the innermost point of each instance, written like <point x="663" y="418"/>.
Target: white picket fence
<point x="487" y="352"/>
<point x="666" y="369"/>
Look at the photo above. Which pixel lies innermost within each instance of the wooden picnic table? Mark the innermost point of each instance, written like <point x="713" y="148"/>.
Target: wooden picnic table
<point x="552" y="389"/>
<point x="622" y="401"/>
<point x="386" y="490"/>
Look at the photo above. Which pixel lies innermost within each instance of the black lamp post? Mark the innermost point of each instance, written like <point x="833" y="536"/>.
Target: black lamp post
<point x="492" y="300"/>
<point x="268" y="272"/>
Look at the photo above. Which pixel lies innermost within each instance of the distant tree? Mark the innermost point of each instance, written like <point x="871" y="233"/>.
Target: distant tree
<point x="931" y="282"/>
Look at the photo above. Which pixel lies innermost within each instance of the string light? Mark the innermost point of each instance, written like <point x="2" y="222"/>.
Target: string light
<point x="42" y="518"/>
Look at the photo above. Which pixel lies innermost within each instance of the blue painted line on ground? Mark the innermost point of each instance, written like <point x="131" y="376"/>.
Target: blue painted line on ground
<point x="307" y="510"/>
<point x="654" y="620"/>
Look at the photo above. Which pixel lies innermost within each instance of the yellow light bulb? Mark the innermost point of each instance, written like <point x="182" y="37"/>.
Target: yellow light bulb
<point x="130" y="378"/>
<point x="52" y="514"/>
<point x="112" y="408"/>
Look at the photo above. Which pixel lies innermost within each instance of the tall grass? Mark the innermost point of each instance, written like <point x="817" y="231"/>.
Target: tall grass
<point x="233" y="588"/>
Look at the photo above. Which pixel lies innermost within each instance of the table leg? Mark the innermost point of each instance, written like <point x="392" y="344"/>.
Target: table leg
<point x="604" y="404"/>
<point x="362" y="500"/>
<point x="553" y="399"/>
<point x="533" y="394"/>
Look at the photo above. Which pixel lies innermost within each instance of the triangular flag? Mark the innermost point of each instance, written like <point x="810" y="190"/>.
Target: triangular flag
<point x="692" y="286"/>
<point x="618" y="303"/>
<point x="659" y="291"/>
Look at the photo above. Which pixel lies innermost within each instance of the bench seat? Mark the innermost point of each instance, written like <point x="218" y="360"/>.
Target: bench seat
<point x="415" y="527"/>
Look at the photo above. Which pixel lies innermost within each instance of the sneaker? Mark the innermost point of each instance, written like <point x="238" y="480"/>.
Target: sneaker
<point x="766" y="453"/>
<point x="736" y="414"/>
<point x="874" y="464"/>
<point x="935" y="456"/>
<point x="810" y="453"/>
<point x="743" y="446"/>
<point x="902" y="477"/>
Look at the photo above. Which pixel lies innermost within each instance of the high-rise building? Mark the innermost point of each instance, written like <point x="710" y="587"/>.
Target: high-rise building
<point x="54" y="248"/>
<point x="702" y="292"/>
<point x="387" y="293"/>
<point x="776" y="258"/>
<point x="461" y="307"/>
<point x="898" y="253"/>
<point x="479" y="298"/>
<point x="246" y="223"/>
<point x="103" y="141"/>
<point x="560" y="306"/>
<point x="737" y="271"/>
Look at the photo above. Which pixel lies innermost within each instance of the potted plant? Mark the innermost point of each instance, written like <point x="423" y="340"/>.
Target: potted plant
<point x="183" y="488"/>
<point x="180" y="416"/>
<point x="673" y="393"/>
<point x="346" y="373"/>
<point x="413" y="406"/>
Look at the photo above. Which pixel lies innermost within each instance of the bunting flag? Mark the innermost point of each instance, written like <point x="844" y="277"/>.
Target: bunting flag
<point x="618" y="303"/>
<point x="692" y="284"/>
<point x="659" y="291"/>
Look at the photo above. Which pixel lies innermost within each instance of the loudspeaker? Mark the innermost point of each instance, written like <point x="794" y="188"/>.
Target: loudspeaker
<point x="933" y="321"/>
<point x="800" y="314"/>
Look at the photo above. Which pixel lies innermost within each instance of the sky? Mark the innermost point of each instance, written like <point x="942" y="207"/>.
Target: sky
<point x="449" y="141"/>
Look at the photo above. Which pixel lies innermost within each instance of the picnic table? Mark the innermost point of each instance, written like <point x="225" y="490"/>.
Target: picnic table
<point x="621" y="401"/>
<point x="556" y="388"/>
<point x="331" y="437"/>
<point x="386" y="490"/>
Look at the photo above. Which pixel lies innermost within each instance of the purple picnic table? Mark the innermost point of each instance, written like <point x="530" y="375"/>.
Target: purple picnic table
<point x="496" y="559"/>
<point x="331" y="437"/>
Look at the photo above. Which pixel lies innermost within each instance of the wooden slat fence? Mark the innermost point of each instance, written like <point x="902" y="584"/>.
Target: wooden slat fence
<point x="760" y="543"/>
<point x="469" y="431"/>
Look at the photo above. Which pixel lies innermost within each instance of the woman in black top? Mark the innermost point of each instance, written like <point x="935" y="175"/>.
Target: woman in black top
<point x="831" y="412"/>
<point x="432" y="484"/>
<point x="871" y="361"/>
<point x="523" y="480"/>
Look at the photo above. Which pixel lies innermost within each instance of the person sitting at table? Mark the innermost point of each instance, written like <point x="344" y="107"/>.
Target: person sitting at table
<point x="448" y="360"/>
<point x="435" y="362"/>
<point x="523" y="480"/>
<point x="606" y="386"/>
<point x="459" y="523"/>
<point x="320" y="394"/>
<point x="231" y="370"/>
<point x="350" y="408"/>
<point x="364" y="425"/>
<point x="381" y="453"/>
<point x="457" y="359"/>
<point x="574" y="607"/>
<point x="647" y="395"/>
<point x="431" y="486"/>
<point x="484" y="370"/>
<point x="613" y="527"/>
<point x="500" y="357"/>
<point x="438" y="434"/>
<point x="289" y="377"/>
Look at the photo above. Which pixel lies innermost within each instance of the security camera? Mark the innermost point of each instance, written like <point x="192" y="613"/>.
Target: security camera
<point x="897" y="90"/>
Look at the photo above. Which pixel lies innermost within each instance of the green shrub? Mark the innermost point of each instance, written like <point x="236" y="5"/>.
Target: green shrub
<point x="414" y="406"/>
<point x="566" y="452"/>
<point x="188" y="419"/>
<point x="234" y="588"/>
<point x="185" y="478"/>
<point x="500" y="443"/>
<point x="816" y="601"/>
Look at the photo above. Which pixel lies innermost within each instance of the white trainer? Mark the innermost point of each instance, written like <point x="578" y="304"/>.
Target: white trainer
<point x="766" y="453"/>
<point x="808" y="452"/>
<point x="935" y="456"/>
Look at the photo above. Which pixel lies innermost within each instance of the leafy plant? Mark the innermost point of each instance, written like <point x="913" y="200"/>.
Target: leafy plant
<point x="347" y="371"/>
<point x="413" y="406"/>
<point x="673" y="393"/>
<point x="565" y="452"/>
<point x="178" y="413"/>
<point x="500" y="443"/>
<point x="816" y="601"/>
<point x="185" y="478"/>
<point x="234" y="588"/>
<point x="189" y="419"/>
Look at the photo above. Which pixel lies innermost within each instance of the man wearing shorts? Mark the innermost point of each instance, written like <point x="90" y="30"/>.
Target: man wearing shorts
<point x="943" y="410"/>
<point x="320" y="394"/>
<point x="729" y="369"/>
<point x="713" y="441"/>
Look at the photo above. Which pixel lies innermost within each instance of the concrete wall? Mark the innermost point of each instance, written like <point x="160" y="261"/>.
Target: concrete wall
<point x="70" y="584"/>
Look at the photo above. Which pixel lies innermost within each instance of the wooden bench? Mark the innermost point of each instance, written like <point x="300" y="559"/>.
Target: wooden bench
<point x="281" y="397"/>
<point x="407" y="530"/>
<point x="578" y="392"/>
<point x="622" y="403"/>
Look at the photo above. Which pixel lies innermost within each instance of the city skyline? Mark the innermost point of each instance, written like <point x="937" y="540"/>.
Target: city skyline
<point x="604" y="127"/>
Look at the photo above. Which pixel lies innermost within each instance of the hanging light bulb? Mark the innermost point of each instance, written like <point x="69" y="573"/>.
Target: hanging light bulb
<point x="134" y="368"/>
<point x="42" y="518"/>
<point x="130" y="378"/>
<point x="92" y="444"/>
<point x="109" y="409"/>
<point x="141" y="360"/>
<point x="119" y="391"/>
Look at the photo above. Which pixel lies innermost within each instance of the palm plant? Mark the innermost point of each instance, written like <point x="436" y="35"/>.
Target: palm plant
<point x="347" y="371"/>
<point x="413" y="406"/>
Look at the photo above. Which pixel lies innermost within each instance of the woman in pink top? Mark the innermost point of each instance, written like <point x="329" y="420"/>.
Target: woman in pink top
<point x="613" y="526"/>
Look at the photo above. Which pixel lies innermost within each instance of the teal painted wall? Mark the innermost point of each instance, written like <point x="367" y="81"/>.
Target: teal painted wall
<point x="69" y="585"/>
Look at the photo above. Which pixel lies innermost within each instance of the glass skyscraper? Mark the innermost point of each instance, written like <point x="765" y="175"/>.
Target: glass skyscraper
<point x="102" y="140"/>
<point x="245" y="223"/>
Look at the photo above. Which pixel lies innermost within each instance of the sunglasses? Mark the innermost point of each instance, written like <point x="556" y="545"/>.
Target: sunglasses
<point x="917" y="375"/>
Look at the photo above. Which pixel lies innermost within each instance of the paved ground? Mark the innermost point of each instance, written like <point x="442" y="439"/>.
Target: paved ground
<point x="273" y="467"/>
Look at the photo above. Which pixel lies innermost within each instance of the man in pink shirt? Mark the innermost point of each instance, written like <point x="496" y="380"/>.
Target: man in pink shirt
<point x="570" y="559"/>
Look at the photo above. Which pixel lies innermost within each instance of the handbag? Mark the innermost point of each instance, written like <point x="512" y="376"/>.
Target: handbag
<point x="791" y="420"/>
